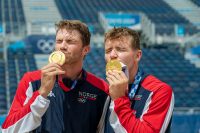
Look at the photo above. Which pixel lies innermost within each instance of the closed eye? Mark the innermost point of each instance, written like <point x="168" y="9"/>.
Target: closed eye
<point x="71" y="41"/>
<point x="108" y="50"/>
<point x="121" y="49"/>
<point x="58" y="41"/>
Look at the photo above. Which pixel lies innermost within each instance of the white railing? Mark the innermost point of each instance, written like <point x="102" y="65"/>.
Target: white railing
<point x="41" y="28"/>
<point x="186" y="110"/>
<point x="148" y="29"/>
<point x="103" y="22"/>
<point x="192" y="40"/>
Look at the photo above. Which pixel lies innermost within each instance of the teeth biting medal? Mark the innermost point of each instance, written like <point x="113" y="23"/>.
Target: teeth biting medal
<point x="113" y="65"/>
<point x="57" y="56"/>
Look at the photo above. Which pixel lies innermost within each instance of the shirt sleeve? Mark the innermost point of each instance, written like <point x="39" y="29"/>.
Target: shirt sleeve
<point x="155" y="117"/>
<point x="27" y="109"/>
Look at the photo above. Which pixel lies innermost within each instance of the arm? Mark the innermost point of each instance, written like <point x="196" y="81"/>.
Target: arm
<point x="155" y="116"/>
<point x="28" y="107"/>
<point x="26" y="110"/>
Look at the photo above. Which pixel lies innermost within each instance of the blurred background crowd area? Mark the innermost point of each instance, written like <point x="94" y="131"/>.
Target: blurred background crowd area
<point x="170" y="42"/>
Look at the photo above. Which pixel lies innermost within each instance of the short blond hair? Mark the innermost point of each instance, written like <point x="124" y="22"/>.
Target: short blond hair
<point x="119" y="32"/>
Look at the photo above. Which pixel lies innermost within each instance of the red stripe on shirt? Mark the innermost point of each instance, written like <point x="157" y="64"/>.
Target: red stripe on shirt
<point x="99" y="83"/>
<point x="20" y="97"/>
<point x="91" y="98"/>
<point x="137" y="99"/>
<point x="62" y="85"/>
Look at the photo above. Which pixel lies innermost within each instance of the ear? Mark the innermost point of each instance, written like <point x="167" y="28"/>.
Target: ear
<point x="86" y="50"/>
<point x="138" y="55"/>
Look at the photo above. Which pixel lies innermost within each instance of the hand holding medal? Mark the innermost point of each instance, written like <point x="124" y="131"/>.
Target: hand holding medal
<point x="117" y="79"/>
<point x="50" y="71"/>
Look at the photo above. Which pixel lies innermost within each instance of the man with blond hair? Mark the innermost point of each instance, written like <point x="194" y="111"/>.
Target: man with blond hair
<point x="140" y="103"/>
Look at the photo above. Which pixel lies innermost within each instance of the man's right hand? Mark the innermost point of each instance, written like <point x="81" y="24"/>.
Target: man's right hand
<point x="117" y="83"/>
<point x="48" y="77"/>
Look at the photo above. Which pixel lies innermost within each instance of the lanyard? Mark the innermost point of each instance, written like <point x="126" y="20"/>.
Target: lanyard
<point x="135" y="84"/>
<point x="75" y="81"/>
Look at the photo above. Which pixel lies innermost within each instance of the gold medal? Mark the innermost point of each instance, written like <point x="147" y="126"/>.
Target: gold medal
<point x="57" y="56"/>
<point x="113" y="65"/>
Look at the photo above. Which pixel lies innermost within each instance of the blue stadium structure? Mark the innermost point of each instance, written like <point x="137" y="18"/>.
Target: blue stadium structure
<point x="12" y="13"/>
<point x="19" y="62"/>
<point x="196" y="2"/>
<point x="157" y="11"/>
<point x="166" y="61"/>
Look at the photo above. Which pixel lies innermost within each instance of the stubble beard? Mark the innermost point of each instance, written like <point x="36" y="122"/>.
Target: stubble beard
<point x="72" y="59"/>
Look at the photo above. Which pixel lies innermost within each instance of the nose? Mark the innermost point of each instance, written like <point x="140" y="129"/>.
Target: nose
<point x="113" y="55"/>
<point x="63" y="46"/>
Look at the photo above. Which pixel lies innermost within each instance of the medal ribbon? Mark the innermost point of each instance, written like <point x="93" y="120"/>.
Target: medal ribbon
<point x="75" y="81"/>
<point x="135" y="84"/>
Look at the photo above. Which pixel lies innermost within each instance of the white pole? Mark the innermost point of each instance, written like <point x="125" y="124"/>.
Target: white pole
<point x="4" y="42"/>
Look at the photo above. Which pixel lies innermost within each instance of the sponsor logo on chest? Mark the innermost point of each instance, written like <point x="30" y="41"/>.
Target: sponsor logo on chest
<point x="83" y="96"/>
<point x="137" y="97"/>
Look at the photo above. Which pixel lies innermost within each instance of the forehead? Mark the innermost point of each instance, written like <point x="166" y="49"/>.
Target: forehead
<point x="124" y="41"/>
<point x="68" y="33"/>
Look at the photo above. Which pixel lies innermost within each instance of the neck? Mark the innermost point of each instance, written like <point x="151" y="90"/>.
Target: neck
<point x="132" y="73"/>
<point x="72" y="71"/>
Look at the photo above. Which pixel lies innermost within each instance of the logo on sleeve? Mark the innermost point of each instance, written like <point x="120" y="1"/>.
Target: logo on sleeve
<point x="83" y="96"/>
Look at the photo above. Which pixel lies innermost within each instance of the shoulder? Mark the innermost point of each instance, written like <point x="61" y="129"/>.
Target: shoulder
<point x="25" y="82"/>
<point x="32" y="76"/>
<point x="99" y="83"/>
<point x="153" y="84"/>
